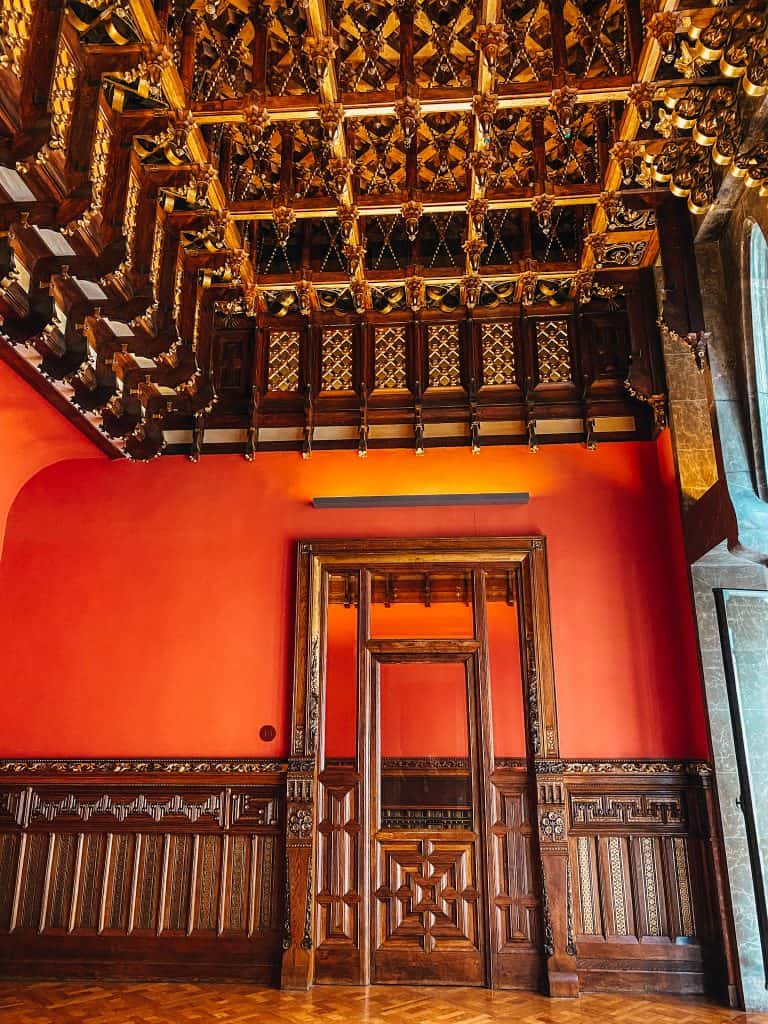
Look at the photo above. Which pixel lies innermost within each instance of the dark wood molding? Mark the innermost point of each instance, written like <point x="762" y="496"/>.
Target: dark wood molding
<point x="140" y="766"/>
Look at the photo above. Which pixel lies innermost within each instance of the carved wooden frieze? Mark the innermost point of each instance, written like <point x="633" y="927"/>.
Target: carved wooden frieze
<point x="641" y="809"/>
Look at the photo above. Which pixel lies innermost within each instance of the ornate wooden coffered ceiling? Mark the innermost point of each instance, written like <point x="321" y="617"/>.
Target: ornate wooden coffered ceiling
<point x="343" y="223"/>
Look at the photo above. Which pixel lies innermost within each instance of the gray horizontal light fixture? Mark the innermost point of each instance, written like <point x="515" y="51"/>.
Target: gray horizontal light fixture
<point x="422" y="500"/>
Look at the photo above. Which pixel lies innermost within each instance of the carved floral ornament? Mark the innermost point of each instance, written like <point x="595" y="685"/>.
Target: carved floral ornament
<point x="300" y="822"/>
<point x="552" y="826"/>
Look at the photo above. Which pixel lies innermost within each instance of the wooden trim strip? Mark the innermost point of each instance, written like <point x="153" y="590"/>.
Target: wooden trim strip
<point x="76" y="882"/>
<point x="19" y="879"/>
<point x="105" y="883"/>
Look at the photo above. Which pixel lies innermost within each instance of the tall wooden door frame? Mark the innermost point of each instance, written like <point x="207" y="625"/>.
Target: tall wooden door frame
<point x="526" y="556"/>
<point x="466" y="652"/>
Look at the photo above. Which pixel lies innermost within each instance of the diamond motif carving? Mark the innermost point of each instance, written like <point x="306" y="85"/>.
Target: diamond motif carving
<point x="427" y="897"/>
<point x="553" y="351"/>
<point x="390" y="356"/>
<point x="284" y="360"/>
<point x="499" y="340"/>
<point x="444" y="362"/>
<point x="337" y="359"/>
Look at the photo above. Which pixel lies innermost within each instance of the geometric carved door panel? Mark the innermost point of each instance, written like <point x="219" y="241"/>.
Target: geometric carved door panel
<point x="426" y="910"/>
<point x="426" y="896"/>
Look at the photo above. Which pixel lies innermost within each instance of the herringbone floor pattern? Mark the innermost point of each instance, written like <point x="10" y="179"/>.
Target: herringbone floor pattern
<point x="155" y="1003"/>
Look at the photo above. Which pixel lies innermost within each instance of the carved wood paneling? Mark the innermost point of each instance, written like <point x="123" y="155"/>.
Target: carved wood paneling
<point x="426" y="895"/>
<point x="633" y="885"/>
<point x="514" y="851"/>
<point x="338" y="864"/>
<point x="641" y="868"/>
<point x="137" y="865"/>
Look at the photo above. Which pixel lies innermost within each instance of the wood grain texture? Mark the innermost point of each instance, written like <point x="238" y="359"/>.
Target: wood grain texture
<point x="116" y="1003"/>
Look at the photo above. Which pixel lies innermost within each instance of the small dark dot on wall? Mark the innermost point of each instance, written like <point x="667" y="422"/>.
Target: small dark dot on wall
<point x="267" y="733"/>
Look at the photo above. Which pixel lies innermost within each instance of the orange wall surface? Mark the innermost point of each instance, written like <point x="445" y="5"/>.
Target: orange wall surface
<point x="147" y="610"/>
<point x="32" y="435"/>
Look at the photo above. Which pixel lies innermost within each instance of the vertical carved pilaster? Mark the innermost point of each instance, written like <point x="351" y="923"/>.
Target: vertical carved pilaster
<point x="556" y="895"/>
<point x="298" y="953"/>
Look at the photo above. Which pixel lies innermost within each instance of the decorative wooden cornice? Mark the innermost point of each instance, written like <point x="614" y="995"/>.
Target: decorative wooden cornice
<point x="313" y="172"/>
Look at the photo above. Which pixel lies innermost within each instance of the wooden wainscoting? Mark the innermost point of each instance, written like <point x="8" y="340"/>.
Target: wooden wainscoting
<point x="641" y="867"/>
<point x="176" y="872"/>
<point x="154" y="869"/>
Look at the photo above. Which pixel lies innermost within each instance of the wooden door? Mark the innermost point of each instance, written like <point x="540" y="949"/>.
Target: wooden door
<point x="428" y="924"/>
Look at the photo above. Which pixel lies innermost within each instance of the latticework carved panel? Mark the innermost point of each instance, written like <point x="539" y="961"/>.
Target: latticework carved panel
<point x="553" y="351"/>
<point x="369" y="45"/>
<point x="390" y="356"/>
<point x="596" y="38"/>
<point x="444" y="360"/>
<point x="62" y="99"/>
<point x="15" y="21"/>
<point x="337" y="359"/>
<point x="528" y="57"/>
<point x="572" y="154"/>
<point x="499" y="341"/>
<point x="223" y="59"/>
<point x="284" y="348"/>
<point x="444" y="51"/>
<point x="379" y="153"/>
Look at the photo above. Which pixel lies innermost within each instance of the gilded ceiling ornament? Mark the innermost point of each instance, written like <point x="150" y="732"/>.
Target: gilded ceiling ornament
<point x="528" y="282"/>
<point x="414" y="290"/>
<point x="625" y="152"/>
<point x="331" y="119"/>
<point x="474" y="248"/>
<point x="355" y="255"/>
<point x="581" y="285"/>
<point x="408" y="113"/>
<point x="339" y="171"/>
<point x="256" y="121"/>
<point x="359" y="295"/>
<point x="491" y="41"/>
<point x="612" y="206"/>
<point x="303" y="295"/>
<point x="642" y="94"/>
<point x="480" y="163"/>
<point x="471" y="286"/>
<point x="321" y="51"/>
<point x="597" y="242"/>
<point x="476" y="210"/>
<point x="663" y="26"/>
<point x="543" y="206"/>
<point x="347" y="216"/>
<point x="484" y="107"/>
<point x="412" y="211"/>
<point x="284" y="218"/>
<point x="563" y="105"/>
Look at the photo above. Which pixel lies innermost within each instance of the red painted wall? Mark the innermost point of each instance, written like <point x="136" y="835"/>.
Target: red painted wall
<point x="442" y="621"/>
<point x="148" y="609"/>
<point x="32" y="435"/>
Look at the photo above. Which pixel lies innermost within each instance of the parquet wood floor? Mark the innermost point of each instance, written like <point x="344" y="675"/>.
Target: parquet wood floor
<point x="172" y="1003"/>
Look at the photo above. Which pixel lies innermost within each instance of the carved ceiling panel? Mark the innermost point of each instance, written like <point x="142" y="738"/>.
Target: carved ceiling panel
<point x="173" y="171"/>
